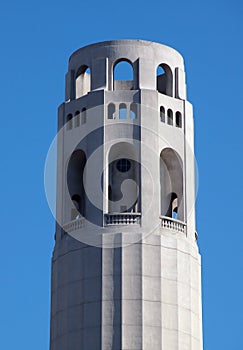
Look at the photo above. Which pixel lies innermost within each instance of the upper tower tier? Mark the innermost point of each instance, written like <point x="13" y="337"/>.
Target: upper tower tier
<point x="126" y="145"/>
<point x="92" y="68"/>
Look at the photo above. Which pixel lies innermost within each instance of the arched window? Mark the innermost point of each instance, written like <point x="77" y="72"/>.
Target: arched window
<point x="122" y="111"/>
<point x="171" y="184"/>
<point x="170" y="117"/>
<point x="77" y="119"/>
<point x="162" y="114"/>
<point x="111" y="111"/>
<point x="83" y="115"/>
<point x="178" y="120"/>
<point x="123" y="77"/>
<point x="75" y="183"/>
<point x="83" y="81"/>
<point x="133" y="111"/>
<point x="69" y="123"/>
<point x="124" y="175"/>
<point x="164" y="80"/>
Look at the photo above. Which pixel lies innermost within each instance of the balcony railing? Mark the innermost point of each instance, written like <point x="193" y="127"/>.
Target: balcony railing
<point x="74" y="225"/>
<point x="173" y="224"/>
<point x="122" y="218"/>
<point x="129" y="219"/>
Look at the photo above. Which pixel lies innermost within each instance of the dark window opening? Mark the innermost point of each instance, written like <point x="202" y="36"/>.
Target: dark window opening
<point x="75" y="183"/>
<point x="83" y="116"/>
<point x="111" y="111"/>
<point x="124" y="179"/>
<point x="162" y="114"/>
<point x="69" y="122"/>
<point x="77" y="119"/>
<point x="164" y="79"/>
<point x="171" y="184"/>
<point x="170" y="117"/>
<point x="123" y="165"/>
<point x="178" y="120"/>
<point x="133" y="111"/>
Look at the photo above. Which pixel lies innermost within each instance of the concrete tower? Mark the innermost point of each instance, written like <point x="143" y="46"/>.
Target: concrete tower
<point x="126" y="267"/>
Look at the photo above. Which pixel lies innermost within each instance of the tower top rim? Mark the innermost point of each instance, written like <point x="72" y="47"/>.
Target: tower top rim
<point x="127" y="42"/>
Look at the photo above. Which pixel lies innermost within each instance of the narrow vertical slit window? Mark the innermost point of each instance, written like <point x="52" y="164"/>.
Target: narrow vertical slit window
<point x="69" y="121"/>
<point x="83" y="115"/>
<point x="111" y="111"/>
<point x="170" y="117"/>
<point x="133" y="111"/>
<point x="77" y="119"/>
<point x="122" y="111"/>
<point x="162" y="114"/>
<point x="178" y="120"/>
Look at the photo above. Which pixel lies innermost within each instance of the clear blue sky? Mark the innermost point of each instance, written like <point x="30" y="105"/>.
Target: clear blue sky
<point x="37" y="38"/>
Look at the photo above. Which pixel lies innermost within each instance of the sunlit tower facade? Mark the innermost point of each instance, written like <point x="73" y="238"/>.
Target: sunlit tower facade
<point x="126" y="272"/>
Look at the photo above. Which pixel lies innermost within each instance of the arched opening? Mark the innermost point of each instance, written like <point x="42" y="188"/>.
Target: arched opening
<point x="133" y="111"/>
<point x="77" y="119"/>
<point x="162" y="114"/>
<point x="170" y="117"/>
<point x="123" y="75"/>
<point x="111" y="111"/>
<point x="122" y="111"/>
<point x="83" y="81"/>
<point x="178" y="120"/>
<point x="164" y="79"/>
<point x="75" y="183"/>
<point x="69" y="123"/>
<point x="83" y="115"/>
<point x="171" y="184"/>
<point x="124" y="179"/>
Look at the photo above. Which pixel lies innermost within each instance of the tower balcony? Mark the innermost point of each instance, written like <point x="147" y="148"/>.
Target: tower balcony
<point x="74" y="224"/>
<point x="110" y="219"/>
<point x="130" y="219"/>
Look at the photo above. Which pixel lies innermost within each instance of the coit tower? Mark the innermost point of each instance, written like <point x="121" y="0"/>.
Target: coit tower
<point x="126" y="272"/>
